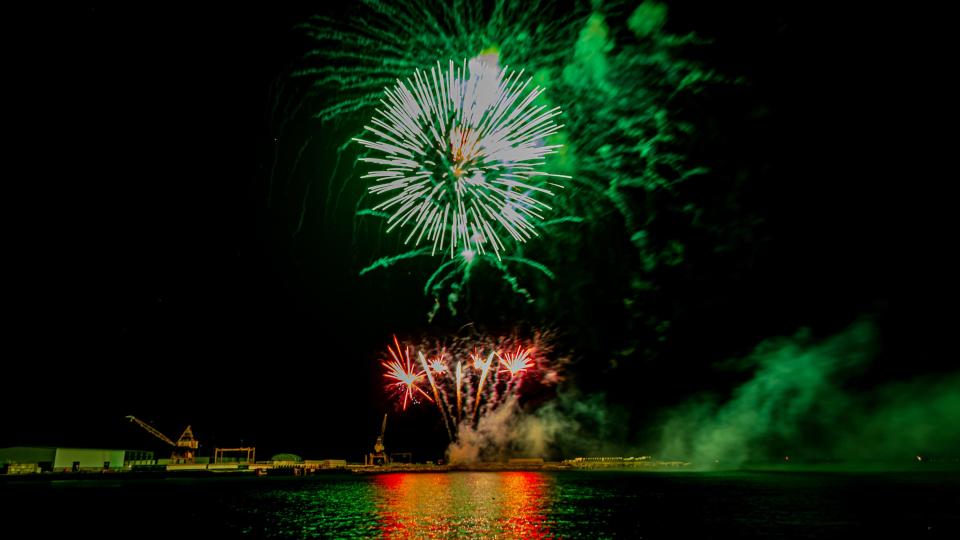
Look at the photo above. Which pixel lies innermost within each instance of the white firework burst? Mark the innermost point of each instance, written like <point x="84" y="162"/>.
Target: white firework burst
<point x="462" y="156"/>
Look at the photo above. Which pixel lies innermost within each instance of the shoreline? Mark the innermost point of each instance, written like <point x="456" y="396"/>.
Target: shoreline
<point x="365" y="470"/>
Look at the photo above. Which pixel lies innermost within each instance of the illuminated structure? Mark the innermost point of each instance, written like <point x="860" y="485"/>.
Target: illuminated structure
<point x="184" y="450"/>
<point x="250" y="451"/>
<point x="31" y="459"/>
<point x="378" y="456"/>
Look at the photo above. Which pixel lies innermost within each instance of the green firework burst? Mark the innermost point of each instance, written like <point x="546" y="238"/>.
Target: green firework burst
<point x="619" y="77"/>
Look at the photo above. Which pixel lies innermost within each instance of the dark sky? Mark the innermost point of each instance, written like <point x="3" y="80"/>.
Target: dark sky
<point x="150" y="277"/>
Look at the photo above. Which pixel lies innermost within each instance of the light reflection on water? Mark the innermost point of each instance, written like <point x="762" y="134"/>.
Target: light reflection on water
<point x="587" y="505"/>
<point x="568" y="504"/>
<point x="509" y="504"/>
<point x="405" y="505"/>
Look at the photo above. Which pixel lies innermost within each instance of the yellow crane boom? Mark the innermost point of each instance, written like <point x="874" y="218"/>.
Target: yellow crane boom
<point x="152" y="430"/>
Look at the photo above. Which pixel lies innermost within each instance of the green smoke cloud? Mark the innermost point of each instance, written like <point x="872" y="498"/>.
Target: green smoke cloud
<point x="803" y="401"/>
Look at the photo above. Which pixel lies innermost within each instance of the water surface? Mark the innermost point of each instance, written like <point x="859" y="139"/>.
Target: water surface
<point x="601" y="504"/>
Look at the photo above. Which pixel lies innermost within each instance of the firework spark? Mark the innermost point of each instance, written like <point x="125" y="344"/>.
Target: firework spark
<point x="437" y="365"/>
<point x="516" y="362"/>
<point x="462" y="157"/>
<point x="481" y="364"/>
<point x="403" y="373"/>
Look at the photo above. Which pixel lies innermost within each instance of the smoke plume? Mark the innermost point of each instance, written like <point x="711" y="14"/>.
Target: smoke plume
<point x="804" y="400"/>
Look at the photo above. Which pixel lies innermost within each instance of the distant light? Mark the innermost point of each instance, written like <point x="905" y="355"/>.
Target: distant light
<point x="786" y="458"/>
<point x="919" y="458"/>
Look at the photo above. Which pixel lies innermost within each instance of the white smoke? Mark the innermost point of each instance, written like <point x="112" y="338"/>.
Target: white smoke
<point x="508" y="431"/>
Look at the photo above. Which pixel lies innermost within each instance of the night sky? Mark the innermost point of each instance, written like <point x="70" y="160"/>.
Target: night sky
<point x="156" y="272"/>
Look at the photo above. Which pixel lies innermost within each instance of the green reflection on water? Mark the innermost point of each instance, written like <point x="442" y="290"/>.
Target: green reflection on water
<point x="403" y="505"/>
<point x="342" y="508"/>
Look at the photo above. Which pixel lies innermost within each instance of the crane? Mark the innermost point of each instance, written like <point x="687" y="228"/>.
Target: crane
<point x="378" y="457"/>
<point x="184" y="450"/>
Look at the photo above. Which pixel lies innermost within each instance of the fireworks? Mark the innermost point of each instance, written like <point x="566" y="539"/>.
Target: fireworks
<point x="483" y="366"/>
<point x="474" y="388"/>
<point x="479" y="363"/>
<point x="437" y="365"/>
<point x="628" y="89"/>
<point x="517" y="362"/>
<point x="462" y="157"/>
<point x="402" y="372"/>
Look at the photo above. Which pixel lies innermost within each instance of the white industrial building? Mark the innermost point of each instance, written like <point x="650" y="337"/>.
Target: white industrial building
<point x="21" y="459"/>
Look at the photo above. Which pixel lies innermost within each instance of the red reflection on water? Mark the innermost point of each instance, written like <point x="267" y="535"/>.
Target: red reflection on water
<point x="524" y="504"/>
<point x="507" y="504"/>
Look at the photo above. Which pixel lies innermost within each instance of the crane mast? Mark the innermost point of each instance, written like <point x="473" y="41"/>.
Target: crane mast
<point x="378" y="446"/>
<point x="379" y="457"/>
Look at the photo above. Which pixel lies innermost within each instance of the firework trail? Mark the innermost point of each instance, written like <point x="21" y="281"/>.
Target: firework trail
<point x="359" y="55"/>
<point x="441" y="404"/>
<point x="459" y="388"/>
<point x="526" y="360"/>
<point x="484" y="367"/>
